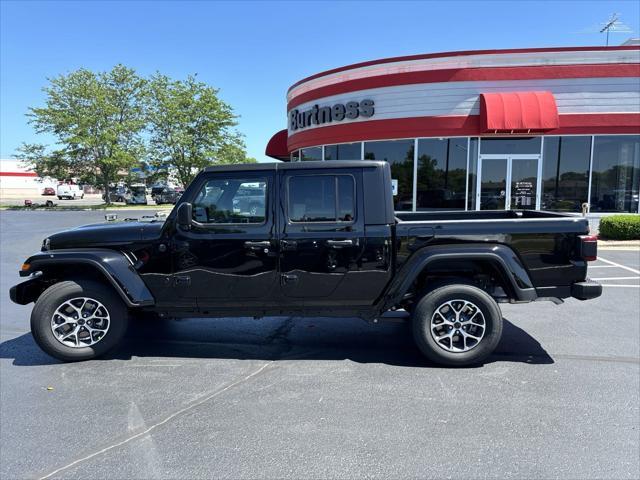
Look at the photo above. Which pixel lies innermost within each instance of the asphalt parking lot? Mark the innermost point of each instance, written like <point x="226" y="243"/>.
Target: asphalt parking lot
<point x="324" y="398"/>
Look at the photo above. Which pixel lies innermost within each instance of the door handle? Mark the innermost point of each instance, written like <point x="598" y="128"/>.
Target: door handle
<point x="339" y="243"/>
<point x="257" y="245"/>
<point x="183" y="280"/>
<point x="288" y="278"/>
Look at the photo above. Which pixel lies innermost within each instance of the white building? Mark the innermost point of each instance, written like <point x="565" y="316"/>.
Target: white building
<point x="18" y="181"/>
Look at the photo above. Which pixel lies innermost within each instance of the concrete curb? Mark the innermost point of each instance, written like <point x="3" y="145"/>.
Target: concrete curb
<point x="619" y="245"/>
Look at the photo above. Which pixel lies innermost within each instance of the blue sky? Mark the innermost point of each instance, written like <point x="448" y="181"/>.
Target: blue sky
<point x="253" y="51"/>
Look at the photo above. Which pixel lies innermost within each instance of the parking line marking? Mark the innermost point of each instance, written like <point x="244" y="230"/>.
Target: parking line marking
<point x="162" y="422"/>
<point x="602" y="266"/>
<point x="616" y="278"/>
<point x="629" y="286"/>
<point x="632" y="270"/>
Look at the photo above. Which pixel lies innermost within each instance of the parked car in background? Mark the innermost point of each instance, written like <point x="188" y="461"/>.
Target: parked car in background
<point x="70" y="191"/>
<point x="116" y="194"/>
<point x="167" y="195"/>
<point x="136" y="194"/>
<point x="48" y="191"/>
<point x="157" y="189"/>
<point x="250" y="200"/>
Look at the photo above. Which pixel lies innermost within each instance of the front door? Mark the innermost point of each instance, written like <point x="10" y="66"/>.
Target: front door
<point x="229" y="255"/>
<point x="508" y="182"/>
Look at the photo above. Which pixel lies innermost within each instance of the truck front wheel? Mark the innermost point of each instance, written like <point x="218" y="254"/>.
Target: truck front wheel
<point x="78" y="320"/>
<point x="457" y="325"/>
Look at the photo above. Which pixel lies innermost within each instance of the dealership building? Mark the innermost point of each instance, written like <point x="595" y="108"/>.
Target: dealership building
<point x="541" y="128"/>
<point x="18" y="181"/>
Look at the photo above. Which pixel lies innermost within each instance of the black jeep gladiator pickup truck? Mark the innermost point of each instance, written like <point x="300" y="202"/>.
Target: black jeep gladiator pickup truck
<point x="326" y="243"/>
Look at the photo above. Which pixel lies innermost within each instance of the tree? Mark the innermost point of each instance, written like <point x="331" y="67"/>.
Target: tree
<point x="190" y="127"/>
<point x="97" y="119"/>
<point x="35" y="157"/>
<point x="233" y="150"/>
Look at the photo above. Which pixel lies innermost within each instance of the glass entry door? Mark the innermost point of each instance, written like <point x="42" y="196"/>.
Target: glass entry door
<point x="523" y="194"/>
<point x="508" y="182"/>
<point x="493" y="184"/>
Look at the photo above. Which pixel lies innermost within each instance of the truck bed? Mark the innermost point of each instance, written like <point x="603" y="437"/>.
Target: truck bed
<point x="544" y="242"/>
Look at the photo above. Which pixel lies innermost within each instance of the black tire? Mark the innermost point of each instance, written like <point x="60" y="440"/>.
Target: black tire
<point x="56" y="295"/>
<point x="437" y="353"/>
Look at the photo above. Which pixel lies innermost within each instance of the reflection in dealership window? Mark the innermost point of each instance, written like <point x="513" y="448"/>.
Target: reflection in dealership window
<point x="312" y="153"/>
<point x="295" y="155"/>
<point x="442" y="171"/>
<point x="616" y="172"/>
<point x="231" y="200"/>
<point x="473" y="165"/>
<point x="565" y="173"/>
<point x="343" y="151"/>
<point x="399" y="153"/>
<point x="321" y="198"/>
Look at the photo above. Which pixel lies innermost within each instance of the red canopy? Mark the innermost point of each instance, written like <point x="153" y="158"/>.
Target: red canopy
<point x="277" y="146"/>
<point x="518" y="112"/>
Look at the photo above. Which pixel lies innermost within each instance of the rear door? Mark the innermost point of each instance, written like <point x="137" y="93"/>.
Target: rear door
<point x="322" y="234"/>
<point x="229" y="255"/>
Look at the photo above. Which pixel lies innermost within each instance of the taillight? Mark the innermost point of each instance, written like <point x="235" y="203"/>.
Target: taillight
<point x="588" y="247"/>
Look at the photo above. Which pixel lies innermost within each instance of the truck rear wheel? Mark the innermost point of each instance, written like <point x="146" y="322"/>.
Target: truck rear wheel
<point x="457" y="325"/>
<point x="78" y="320"/>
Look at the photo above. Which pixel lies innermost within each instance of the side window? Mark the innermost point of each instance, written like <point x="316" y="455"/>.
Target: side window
<point x="321" y="198"/>
<point x="231" y="200"/>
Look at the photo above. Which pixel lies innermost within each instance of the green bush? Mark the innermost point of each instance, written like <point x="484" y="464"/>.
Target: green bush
<point x="620" y="227"/>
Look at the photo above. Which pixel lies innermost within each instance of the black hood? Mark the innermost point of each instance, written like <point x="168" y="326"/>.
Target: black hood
<point x="109" y="234"/>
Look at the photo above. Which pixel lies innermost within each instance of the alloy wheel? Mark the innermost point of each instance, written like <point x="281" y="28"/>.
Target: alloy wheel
<point x="80" y="322"/>
<point x="458" y="326"/>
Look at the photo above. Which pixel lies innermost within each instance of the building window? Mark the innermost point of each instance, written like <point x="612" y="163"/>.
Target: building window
<point x="442" y="174"/>
<point x="510" y="146"/>
<point x="295" y="156"/>
<point x="565" y="173"/>
<point x="399" y="153"/>
<point x="343" y="151"/>
<point x="312" y="153"/>
<point x="615" y="175"/>
<point x="473" y="169"/>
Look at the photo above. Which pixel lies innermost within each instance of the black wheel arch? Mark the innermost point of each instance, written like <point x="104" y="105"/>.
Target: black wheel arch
<point x="108" y="266"/>
<point x="456" y="262"/>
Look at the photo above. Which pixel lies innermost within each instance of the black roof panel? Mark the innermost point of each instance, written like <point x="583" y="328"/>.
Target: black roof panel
<point x="248" y="167"/>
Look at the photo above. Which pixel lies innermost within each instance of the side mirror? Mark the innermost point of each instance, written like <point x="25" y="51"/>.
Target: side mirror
<point x="184" y="215"/>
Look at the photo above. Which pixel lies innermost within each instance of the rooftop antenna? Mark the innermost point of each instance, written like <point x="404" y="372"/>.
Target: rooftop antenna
<point x="614" y="25"/>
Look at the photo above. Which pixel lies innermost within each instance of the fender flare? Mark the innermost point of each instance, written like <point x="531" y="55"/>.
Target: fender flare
<point x="501" y="256"/>
<point x="113" y="265"/>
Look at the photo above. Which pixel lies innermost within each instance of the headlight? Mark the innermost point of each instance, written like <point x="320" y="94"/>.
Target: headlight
<point x="46" y="244"/>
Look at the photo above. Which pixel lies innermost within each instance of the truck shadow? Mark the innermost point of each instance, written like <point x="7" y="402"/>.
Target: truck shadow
<point x="280" y="339"/>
